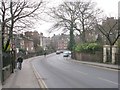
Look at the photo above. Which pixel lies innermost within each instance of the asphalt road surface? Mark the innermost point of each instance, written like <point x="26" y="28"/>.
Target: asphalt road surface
<point x="59" y="72"/>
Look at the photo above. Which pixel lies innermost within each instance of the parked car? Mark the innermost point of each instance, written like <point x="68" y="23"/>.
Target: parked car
<point x="66" y="53"/>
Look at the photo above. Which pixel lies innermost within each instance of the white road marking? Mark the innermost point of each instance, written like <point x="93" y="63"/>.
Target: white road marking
<point x="108" y="80"/>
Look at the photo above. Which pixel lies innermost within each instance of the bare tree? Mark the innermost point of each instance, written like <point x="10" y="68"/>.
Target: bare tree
<point x="86" y="17"/>
<point x="110" y="31"/>
<point x="75" y="16"/>
<point x="18" y="14"/>
<point x="65" y="16"/>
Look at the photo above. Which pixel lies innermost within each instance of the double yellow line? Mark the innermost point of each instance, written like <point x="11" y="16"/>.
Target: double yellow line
<point x="39" y="78"/>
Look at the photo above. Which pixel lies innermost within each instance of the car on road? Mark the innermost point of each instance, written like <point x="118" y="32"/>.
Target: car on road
<point x="66" y="53"/>
<point x="58" y="52"/>
<point x="61" y="51"/>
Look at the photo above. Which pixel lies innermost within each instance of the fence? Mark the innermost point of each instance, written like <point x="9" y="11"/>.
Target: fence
<point x="6" y="59"/>
<point x="8" y="64"/>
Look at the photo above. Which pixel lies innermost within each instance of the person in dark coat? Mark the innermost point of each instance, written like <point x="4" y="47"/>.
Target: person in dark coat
<point x="45" y="54"/>
<point x="19" y="61"/>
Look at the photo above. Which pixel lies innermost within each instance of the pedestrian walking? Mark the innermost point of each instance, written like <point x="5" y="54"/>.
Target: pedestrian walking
<point x="44" y="54"/>
<point x="19" y="62"/>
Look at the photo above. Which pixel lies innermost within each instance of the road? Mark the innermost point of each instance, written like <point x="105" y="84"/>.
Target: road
<point x="59" y="72"/>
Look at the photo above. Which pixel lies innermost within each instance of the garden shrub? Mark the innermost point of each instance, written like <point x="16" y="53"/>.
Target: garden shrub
<point x="88" y="47"/>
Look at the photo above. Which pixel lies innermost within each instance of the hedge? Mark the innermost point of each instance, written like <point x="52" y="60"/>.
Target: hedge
<point x="87" y="47"/>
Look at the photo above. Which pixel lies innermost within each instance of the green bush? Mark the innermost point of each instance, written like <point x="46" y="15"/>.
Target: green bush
<point x="87" y="47"/>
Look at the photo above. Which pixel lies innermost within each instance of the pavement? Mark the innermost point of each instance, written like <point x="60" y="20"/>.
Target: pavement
<point x="28" y="77"/>
<point x="24" y="78"/>
<point x="110" y="66"/>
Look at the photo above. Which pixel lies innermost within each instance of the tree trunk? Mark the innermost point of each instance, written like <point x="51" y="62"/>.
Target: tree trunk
<point x="3" y="30"/>
<point x="83" y="28"/>
<point x="71" y="42"/>
<point x="83" y="37"/>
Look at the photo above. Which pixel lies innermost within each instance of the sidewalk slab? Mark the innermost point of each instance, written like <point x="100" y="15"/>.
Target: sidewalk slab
<point x="111" y="66"/>
<point x="23" y="78"/>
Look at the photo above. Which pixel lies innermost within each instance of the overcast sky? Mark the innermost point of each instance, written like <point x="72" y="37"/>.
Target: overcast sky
<point x="110" y="8"/>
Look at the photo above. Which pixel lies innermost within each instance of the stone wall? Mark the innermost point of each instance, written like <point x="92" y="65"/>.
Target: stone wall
<point x="97" y="57"/>
<point x="117" y="57"/>
<point x="6" y="72"/>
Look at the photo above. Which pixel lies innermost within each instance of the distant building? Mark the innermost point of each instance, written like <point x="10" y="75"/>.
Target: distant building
<point x="63" y="42"/>
<point x="19" y="41"/>
<point x="29" y="45"/>
<point x="35" y="37"/>
<point x="91" y="36"/>
<point x="54" y="41"/>
<point x="25" y="43"/>
<point x="60" y="42"/>
<point x="44" y="41"/>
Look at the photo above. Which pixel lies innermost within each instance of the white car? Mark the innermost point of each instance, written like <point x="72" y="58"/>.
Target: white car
<point x="66" y="53"/>
<point x="58" y="52"/>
